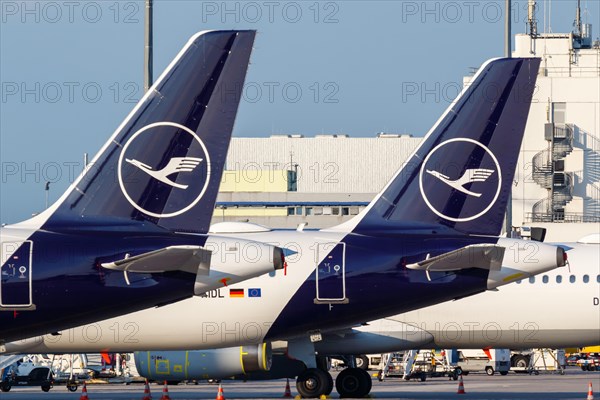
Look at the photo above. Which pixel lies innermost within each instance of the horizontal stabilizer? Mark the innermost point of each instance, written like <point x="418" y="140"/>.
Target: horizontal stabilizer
<point x="192" y="259"/>
<point x="484" y="256"/>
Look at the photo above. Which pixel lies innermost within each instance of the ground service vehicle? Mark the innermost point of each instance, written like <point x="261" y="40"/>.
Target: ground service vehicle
<point x="39" y="376"/>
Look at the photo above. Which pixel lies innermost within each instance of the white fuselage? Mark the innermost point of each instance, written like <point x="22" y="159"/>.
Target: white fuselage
<point x="217" y="320"/>
<point x="223" y="320"/>
<point x="557" y="309"/>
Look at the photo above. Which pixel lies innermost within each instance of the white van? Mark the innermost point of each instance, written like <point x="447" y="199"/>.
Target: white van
<point x="488" y="361"/>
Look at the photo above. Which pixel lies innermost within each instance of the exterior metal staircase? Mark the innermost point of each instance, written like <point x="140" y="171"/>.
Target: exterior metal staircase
<point x="548" y="172"/>
<point x="543" y="169"/>
<point x="592" y="202"/>
<point x="562" y="139"/>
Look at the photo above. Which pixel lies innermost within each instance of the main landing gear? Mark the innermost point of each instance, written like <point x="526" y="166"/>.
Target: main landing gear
<point x="315" y="381"/>
<point x="351" y="382"/>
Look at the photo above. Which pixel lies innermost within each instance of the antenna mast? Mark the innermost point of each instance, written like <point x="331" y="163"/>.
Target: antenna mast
<point x="507" y="31"/>
<point x="531" y="21"/>
<point x="577" y="22"/>
<point x="148" y="46"/>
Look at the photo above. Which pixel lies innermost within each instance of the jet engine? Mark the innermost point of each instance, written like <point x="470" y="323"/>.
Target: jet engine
<point x="203" y="364"/>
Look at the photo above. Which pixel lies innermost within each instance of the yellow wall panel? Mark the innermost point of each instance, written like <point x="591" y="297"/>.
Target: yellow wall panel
<point x="254" y="181"/>
<point x="250" y="212"/>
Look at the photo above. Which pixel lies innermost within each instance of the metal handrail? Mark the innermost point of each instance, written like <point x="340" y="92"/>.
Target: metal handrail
<point x="569" y="217"/>
<point x="542" y="169"/>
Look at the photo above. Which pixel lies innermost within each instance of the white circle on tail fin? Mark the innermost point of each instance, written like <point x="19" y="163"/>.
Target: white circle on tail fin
<point x="175" y="165"/>
<point x="458" y="183"/>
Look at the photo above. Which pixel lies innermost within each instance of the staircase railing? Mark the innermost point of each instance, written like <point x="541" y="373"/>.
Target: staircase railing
<point x="563" y="140"/>
<point x="542" y="169"/>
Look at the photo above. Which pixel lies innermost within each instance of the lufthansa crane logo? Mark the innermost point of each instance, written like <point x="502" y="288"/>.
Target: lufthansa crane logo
<point x="459" y="190"/>
<point x="164" y="169"/>
<point x="470" y="176"/>
<point x="175" y="166"/>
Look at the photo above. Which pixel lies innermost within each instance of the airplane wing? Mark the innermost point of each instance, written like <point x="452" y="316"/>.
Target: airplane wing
<point x="193" y="259"/>
<point x="485" y="256"/>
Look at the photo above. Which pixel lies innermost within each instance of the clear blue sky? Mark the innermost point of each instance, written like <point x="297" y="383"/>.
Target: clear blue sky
<point x="69" y="71"/>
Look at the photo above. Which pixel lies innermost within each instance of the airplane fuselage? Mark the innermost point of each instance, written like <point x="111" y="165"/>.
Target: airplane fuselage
<point x="376" y="282"/>
<point x="372" y="281"/>
<point x="54" y="277"/>
<point x="557" y="309"/>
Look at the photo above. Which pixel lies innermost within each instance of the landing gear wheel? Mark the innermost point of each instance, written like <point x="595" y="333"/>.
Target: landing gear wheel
<point x="312" y="383"/>
<point x="329" y="388"/>
<point x="353" y="382"/>
<point x="369" y="386"/>
<point x="362" y="362"/>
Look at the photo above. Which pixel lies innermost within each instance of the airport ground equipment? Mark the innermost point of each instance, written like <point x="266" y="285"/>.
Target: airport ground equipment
<point x="589" y="363"/>
<point x="147" y="394"/>
<point x="6" y="361"/>
<point x="490" y="361"/>
<point x="417" y="364"/>
<point x="461" y="386"/>
<point x="39" y="376"/>
<point x="84" y="395"/>
<point x="534" y="361"/>
<point x="165" y="392"/>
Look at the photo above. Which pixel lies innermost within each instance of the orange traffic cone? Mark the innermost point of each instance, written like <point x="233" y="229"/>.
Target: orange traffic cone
<point x="288" y="392"/>
<point x="590" y="392"/>
<point x="220" y="395"/>
<point x="461" y="386"/>
<point x="165" y="395"/>
<point x="84" y="395"/>
<point x="147" y="395"/>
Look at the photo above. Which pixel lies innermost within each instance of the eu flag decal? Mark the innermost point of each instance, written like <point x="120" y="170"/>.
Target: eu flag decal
<point x="254" y="292"/>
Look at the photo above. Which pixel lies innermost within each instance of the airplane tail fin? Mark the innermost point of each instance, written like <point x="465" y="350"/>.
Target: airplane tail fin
<point x="164" y="162"/>
<point x="460" y="177"/>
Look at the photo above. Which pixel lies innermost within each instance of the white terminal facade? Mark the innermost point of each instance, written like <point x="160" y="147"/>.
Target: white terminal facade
<point x="286" y="180"/>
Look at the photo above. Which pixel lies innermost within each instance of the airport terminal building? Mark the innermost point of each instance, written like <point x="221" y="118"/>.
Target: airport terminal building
<point x="285" y="180"/>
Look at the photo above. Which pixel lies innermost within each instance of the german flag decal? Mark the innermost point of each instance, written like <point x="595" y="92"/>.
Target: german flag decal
<point x="236" y="292"/>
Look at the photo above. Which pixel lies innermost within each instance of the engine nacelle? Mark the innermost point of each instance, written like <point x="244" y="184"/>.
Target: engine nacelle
<point x="203" y="364"/>
<point x="234" y="260"/>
